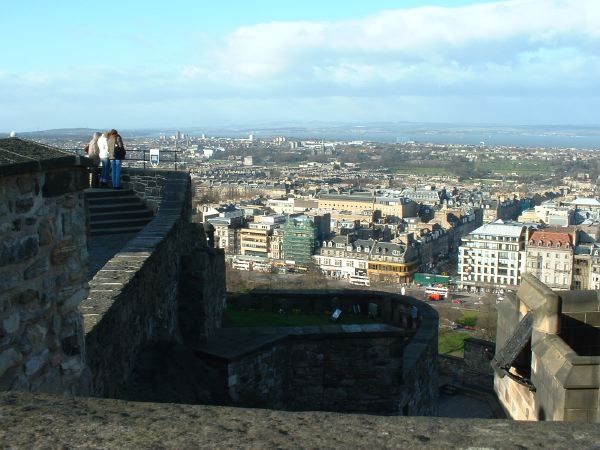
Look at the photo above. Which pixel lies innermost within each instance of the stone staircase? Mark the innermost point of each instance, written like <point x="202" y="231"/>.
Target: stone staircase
<point x="116" y="211"/>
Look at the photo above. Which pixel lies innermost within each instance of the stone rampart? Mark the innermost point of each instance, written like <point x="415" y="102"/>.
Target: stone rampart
<point x="473" y="369"/>
<point x="343" y="368"/>
<point x="148" y="184"/>
<point x="401" y="362"/>
<point x="43" y="260"/>
<point x="136" y="298"/>
<point x="44" y="421"/>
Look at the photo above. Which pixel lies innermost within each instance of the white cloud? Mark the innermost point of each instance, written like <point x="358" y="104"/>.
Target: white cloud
<point x="516" y="51"/>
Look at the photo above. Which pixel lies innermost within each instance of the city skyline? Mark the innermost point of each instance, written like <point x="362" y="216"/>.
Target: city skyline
<point x="513" y="62"/>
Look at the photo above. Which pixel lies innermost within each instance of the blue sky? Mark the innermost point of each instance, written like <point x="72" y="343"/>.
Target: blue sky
<point x="189" y="63"/>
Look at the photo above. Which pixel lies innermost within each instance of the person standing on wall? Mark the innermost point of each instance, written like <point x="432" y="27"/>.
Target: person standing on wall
<point x="104" y="156"/>
<point x="93" y="152"/>
<point x="118" y="157"/>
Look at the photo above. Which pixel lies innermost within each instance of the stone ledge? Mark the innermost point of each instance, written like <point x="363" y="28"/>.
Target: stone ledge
<point x="42" y="421"/>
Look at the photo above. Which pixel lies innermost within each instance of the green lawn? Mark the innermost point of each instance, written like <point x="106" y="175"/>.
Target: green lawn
<point x="452" y="343"/>
<point x="255" y="318"/>
<point x="468" y="319"/>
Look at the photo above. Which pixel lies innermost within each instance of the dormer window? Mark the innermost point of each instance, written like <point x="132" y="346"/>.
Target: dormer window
<point x="549" y="244"/>
<point x="558" y="245"/>
<point x="531" y="242"/>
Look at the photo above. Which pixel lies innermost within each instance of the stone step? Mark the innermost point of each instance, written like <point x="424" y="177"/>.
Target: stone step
<point x="115" y="230"/>
<point x="101" y="193"/>
<point x="139" y="213"/>
<point x="448" y="389"/>
<point x="124" y="207"/>
<point x="116" y="200"/>
<point x="119" y="222"/>
<point x="115" y="211"/>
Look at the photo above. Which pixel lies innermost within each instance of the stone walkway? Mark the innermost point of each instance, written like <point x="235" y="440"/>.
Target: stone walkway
<point x="103" y="248"/>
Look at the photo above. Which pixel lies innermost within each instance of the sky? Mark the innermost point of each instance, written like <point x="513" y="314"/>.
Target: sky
<point x="185" y="63"/>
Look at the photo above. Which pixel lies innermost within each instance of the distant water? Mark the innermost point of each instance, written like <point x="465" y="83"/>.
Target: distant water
<point x="588" y="138"/>
<point x="503" y="139"/>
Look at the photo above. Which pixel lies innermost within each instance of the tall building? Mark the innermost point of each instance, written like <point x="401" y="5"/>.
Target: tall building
<point x="493" y="255"/>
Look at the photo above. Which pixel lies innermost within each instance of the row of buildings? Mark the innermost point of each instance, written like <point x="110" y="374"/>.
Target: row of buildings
<point x="498" y="254"/>
<point x="381" y="237"/>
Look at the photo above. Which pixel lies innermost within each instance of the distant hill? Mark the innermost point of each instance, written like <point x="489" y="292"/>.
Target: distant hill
<point x="58" y="133"/>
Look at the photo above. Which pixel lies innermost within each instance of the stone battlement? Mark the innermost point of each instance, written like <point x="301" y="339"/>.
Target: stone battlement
<point x="32" y="421"/>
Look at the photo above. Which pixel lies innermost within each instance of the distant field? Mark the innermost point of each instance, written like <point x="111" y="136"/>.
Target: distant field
<point x="520" y="167"/>
<point x="489" y="167"/>
<point x="255" y="318"/>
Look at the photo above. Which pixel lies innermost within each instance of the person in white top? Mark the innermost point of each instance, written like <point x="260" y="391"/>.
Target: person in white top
<point x="93" y="152"/>
<point x="104" y="157"/>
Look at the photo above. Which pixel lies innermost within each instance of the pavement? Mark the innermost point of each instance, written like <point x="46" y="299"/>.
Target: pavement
<point x="102" y="248"/>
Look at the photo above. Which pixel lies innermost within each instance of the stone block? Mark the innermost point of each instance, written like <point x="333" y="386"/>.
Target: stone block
<point x="593" y="319"/>
<point x="62" y="182"/>
<point x="39" y="267"/>
<point x="74" y="364"/>
<point x="28" y="185"/>
<point x="62" y="251"/>
<point x="576" y="415"/>
<point x="11" y="323"/>
<point x="18" y="250"/>
<point x="36" y="335"/>
<point x="8" y="281"/>
<point x="581" y="398"/>
<point x="36" y="362"/>
<point x="23" y="205"/>
<point x="71" y="345"/>
<point x="45" y="233"/>
<point x="8" y="359"/>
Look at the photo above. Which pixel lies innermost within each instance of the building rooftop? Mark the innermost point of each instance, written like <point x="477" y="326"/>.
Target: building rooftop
<point x="582" y="201"/>
<point x="499" y="228"/>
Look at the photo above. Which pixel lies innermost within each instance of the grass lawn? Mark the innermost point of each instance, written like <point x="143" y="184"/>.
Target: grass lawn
<point x="452" y="343"/>
<point x="255" y="318"/>
<point x="468" y="319"/>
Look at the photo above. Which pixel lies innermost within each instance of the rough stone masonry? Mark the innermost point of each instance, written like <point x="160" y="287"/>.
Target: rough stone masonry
<point x="43" y="259"/>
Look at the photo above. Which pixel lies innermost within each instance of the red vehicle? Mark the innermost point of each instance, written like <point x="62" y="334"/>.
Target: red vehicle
<point x="435" y="297"/>
<point x="458" y="301"/>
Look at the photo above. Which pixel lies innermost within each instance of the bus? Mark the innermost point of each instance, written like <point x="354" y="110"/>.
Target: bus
<point x="437" y="293"/>
<point x="359" y="280"/>
<point x="240" y="265"/>
<point x="262" y="267"/>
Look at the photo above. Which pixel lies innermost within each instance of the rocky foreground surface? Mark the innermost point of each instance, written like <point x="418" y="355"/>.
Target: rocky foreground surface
<point x="28" y="421"/>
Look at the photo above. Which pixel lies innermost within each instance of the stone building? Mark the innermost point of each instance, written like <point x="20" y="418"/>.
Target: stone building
<point x="340" y="256"/>
<point x="547" y="358"/>
<point x="549" y="256"/>
<point x="393" y="262"/>
<point x="227" y="233"/>
<point x="43" y="267"/>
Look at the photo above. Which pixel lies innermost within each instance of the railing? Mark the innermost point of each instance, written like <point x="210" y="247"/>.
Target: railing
<point x="140" y="156"/>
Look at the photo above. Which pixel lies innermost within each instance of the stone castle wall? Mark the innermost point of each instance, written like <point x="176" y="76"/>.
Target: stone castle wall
<point x="148" y="184"/>
<point x="351" y="370"/>
<point x="474" y="368"/>
<point x="136" y="298"/>
<point x="43" y="263"/>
